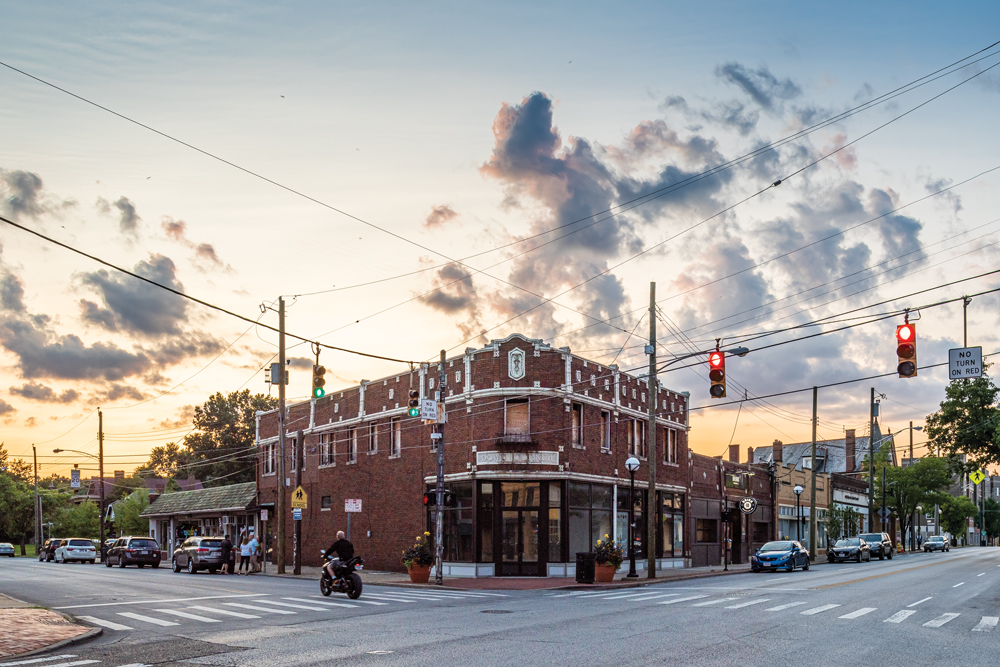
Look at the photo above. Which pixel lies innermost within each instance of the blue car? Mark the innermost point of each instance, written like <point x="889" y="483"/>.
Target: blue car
<point x="780" y="554"/>
<point x="6" y="549"/>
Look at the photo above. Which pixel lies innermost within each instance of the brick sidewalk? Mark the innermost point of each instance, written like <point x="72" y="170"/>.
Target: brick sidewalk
<point x="28" y="629"/>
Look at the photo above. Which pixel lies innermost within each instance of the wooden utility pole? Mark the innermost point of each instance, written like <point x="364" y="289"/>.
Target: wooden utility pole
<point x="280" y="500"/>
<point x="871" y="462"/>
<point x="38" y="504"/>
<point x="100" y="472"/>
<point x="297" y="550"/>
<point x="652" y="396"/>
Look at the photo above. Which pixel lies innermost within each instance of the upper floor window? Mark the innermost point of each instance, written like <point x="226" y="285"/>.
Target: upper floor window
<point x="326" y="449"/>
<point x="516" y="420"/>
<point x="605" y="431"/>
<point x="397" y="437"/>
<point x="576" y="429"/>
<point x="268" y="459"/>
<point x="637" y="438"/>
<point x="669" y="445"/>
<point x="373" y="438"/>
<point x="352" y="445"/>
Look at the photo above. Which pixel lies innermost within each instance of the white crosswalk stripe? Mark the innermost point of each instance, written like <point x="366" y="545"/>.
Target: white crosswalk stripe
<point x="240" y="605"/>
<point x="653" y="597"/>
<point x="335" y="604"/>
<point x="941" y="620"/>
<point x="860" y="612"/>
<point x="900" y="616"/>
<point x="35" y="661"/>
<point x="110" y="625"/>
<point x="709" y="603"/>
<point x="224" y="612"/>
<point x="690" y="597"/>
<point x="63" y="664"/>
<point x="325" y="603"/>
<point x="146" y="619"/>
<point x="193" y="617"/>
<point x="819" y="610"/>
<point x="748" y="603"/>
<point x="298" y="606"/>
<point x="987" y="624"/>
<point x="382" y="596"/>
<point x="782" y="607"/>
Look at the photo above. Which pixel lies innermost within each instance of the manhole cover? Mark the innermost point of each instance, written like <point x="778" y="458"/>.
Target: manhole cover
<point x="496" y="611"/>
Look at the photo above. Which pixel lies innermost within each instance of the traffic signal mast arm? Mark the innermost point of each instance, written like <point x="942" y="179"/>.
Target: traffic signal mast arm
<point x="717" y="366"/>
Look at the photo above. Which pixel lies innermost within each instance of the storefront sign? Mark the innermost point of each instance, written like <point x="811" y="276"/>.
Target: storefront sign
<point x="515" y="458"/>
<point x="748" y="505"/>
<point x="263" y="515"/>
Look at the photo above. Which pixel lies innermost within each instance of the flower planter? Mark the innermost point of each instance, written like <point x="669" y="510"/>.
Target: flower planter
<point x="604" y="573"/>
<point x="419" y="574"/>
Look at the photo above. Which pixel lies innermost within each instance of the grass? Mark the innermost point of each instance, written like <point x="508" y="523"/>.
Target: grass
<point x="29" y="550"/>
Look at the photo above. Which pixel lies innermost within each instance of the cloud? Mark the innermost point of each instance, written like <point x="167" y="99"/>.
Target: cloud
<point x="12" y="293"/>
<point x="21" y="195"/>
<point x="134" y="305"/>
<point x="31" y="422"/>
<point x="759" y="84"/>
<point x="184" y="417"/>
<point x="176" y="230"/>
<point x="439" y="215"/>
<point x="34" y="391"/>
<point x="178" y="349"/>
<point x="119" y="391"/>
<point x="205" y="256"/>
<point x="6" y="408"/>
<point x="128" y="217"/>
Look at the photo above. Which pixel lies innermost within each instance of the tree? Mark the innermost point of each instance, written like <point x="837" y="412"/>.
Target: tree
<point x="16" y="468"/>
<point x="220" y="450"/>
<point x="842" y="521"/>
<point x="967" y="423"/>
<point x="123" y="488"/>
<point x="912" y="486"/>
<point x="128" y="510"/>
<point x="82" y="520"/>
<point x="955" y="512"/>
<point x="992" y="512"/>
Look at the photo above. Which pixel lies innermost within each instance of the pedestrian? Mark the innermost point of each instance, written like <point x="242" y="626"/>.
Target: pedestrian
<point x="253" y="544"/>
<point x="227" y="550"/>
<point x="244" y="555"/>
<point x="920" y="541"/>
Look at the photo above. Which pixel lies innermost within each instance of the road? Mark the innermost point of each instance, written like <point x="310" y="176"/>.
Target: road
<point x="920" y="609"/>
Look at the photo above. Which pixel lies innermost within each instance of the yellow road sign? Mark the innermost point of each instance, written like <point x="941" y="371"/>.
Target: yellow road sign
<point x="299" y="498"/>
<point x="977" y="476"/>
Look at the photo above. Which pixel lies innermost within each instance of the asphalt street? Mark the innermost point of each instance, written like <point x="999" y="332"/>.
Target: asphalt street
<point x="919" y="609"/>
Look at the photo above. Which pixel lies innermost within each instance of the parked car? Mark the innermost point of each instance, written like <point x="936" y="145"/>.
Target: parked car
<point x="48" y="550"/>
<point x="853" y="548"/>
<point x="780" y="554"/>
<point x="138" y="551"/>
<point x="879" y="543"/>
<point x="198" y="553"/>
<point x="936" y="543"/>
<point x="76" y="548"/>
<point x="6" y="549"/>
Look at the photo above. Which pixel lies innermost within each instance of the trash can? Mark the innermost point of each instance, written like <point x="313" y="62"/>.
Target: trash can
<point x="585" y="565"/>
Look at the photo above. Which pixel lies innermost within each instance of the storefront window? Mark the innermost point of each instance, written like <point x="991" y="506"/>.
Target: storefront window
<point x="486" y="522"/>
<point x="589" y="515"/>
<point x="555" y="522"/>
<point x="672" y="514"/>
<point x="457" y="529"/>
<point x="706" y="530"/>
<point x="639" y="532"/>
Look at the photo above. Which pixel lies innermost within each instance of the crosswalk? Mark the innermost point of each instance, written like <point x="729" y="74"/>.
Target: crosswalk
<point x="62" y="660"/>
<point x="926" y="618"/>
<point x="264" y="606"/>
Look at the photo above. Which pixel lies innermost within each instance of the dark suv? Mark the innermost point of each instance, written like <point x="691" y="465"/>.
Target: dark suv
<point x="138" y="551"/>
<point x="48" y="551"/>
<point x="198" y="553"/>
<point x="879" y="543"/>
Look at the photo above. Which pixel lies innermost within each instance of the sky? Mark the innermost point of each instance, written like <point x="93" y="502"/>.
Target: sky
<point x="344" y="157"/>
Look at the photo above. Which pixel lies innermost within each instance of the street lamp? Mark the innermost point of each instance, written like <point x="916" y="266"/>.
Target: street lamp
<point x="913" y="544"/>
<point x="632" y="464"/>
<point x="100" y="461"/>
<point x="798" y="511"/>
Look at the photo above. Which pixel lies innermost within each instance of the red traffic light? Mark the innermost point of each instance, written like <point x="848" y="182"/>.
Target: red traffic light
<point x="430" y="499"/>
<point x="717" y="374"/>
<point x="906" y="350"/>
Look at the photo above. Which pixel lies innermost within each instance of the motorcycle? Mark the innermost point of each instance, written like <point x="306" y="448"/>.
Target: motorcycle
<point x="347" y="580"/>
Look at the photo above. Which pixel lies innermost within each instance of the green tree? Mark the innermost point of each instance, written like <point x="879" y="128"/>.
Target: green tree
<point x="842" y="521"/>
<point x="81" y="520"/>
<point x="128" y="510"/>
<point x="967" y="423"/>
<point x="954" y="512"/>
<point x="992" y="512"/>
<point x="123" y="488"/>
<point x="912" y="486"/>
<point x="16" y="468"/>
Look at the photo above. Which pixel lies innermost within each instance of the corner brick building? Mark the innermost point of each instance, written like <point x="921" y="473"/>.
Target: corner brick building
<point x="535" y="447"/>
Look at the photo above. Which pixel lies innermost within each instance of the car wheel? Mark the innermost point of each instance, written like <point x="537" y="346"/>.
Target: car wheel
<point x="121" y="562"/>
<point x="805" y="568"/>
<point x="140" y="565"/>
<point x="174" y="566"/>
<point x="881" y="555"/>
<point x="890" y="555"/>
<point x="190" y="568"/>
<point x="92" y="561"/>
<point x="156" y="566"/>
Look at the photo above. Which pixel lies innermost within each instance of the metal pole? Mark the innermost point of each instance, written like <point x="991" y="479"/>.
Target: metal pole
<point x="913" y="525"/>
<point x="798" y="517"/>
<point x="100" y="471"/>
<point x="965" y="320"/>
<point x="652" y="507"/>
<point x="280" y="500"/>
<point x="882" y="514"/>
<point x="631" y="526"/>
<point x="439" y="515"/>
<point x="297" y="553"/>
<point x="813" y="535"/>
<point x="38" y="504"/>
<point x="871" y="462"/>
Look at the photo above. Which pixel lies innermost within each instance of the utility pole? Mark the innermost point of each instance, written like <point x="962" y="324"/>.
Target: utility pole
<point x="913" y="524"/>
<point x="280" y="501"/>
<point x="439" y="513"/>
<point x="297" y="552"/>
<point x="871" y="462"/>
<point x="100" y="471"/>
<point x="653" y="397"/>
<point x="38" y="504"/>
<point x="813" y="536"/>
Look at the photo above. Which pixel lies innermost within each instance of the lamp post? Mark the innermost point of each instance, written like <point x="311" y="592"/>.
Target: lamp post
<point x="920" y="509"/>
<point x="100" y="461"/>
<point x="798" y="511"/>
<point x="632" y="464"/>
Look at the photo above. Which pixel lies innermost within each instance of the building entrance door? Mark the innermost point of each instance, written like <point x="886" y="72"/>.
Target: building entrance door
<point x="519" y="543"/>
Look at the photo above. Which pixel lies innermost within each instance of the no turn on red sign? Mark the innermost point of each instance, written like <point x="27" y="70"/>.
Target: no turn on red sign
<point x="965" y="362"/>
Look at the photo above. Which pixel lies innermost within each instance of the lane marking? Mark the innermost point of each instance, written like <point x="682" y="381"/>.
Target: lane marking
<point x="224" y="612"/>
<point x="941" y="620"/>
<point x="748" y="603"/>
<point x="110" y="625"/>
<point x="919" y="601"/>
<point x="900" y="616"/>
<point x="301" y="606"/>
<point x="146" y="619"/>
<point x="240" y="605"/>
<point x="957" y="585"/>
<point x="889" y="574"/>
<point x="37" y="660"/>
<point x="70" y="664"/>
<point x="979" y="575"/>
<point x="987" y="624"/>
<point x="859" y="612"/>
<point x="653" y="597"/>
<point x="781" y="607"/>
<point x="709" y="603"/>
<point x="690" y="597"/>
<point x="623" y="596"/>
<point x="116" y="604"/>
<point x="193" y="617"/>
<point x="819" y="610"/>
<point x="380" y="596"/>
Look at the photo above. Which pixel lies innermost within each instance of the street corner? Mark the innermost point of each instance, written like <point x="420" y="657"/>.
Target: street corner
<point x="30" y="630"/>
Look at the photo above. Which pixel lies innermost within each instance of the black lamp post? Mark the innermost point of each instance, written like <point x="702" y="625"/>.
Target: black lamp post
<point x="632" y="464"/>
<point x="798" y="511"/>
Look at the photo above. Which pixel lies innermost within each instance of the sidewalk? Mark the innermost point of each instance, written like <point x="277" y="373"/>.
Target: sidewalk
<point x="521" y="583"/>
<point x="28" y="630"/>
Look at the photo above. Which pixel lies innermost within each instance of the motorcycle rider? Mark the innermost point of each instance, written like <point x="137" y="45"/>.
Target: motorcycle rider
<point x="344" y="550"/>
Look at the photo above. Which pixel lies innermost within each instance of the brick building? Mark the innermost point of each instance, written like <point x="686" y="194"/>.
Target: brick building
<point x="535" y="448"/>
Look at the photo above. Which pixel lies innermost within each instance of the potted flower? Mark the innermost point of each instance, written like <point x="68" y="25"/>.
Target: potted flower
<point x="610" y="555"/>
<point x="418" y="559"/>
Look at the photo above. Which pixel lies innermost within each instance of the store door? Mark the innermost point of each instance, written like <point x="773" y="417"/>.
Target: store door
<point x="519" y="543"/>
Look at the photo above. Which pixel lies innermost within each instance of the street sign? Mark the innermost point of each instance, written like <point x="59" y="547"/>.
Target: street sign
<point x="977" y="476"/>
<point x="965" y="362"/>
<point x="352" y="505"/>
<point x="74" y="478"/>
<point x="429" y="409"/>
<point x="885" y="512"/>
<point x="748" y="505"/>
<point x="263" y="515"/>
<point x="299" y="498"/>
<point x="297" y="514"/>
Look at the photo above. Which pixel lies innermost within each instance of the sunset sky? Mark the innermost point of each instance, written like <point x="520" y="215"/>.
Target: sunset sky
<point x="343" y="155"/>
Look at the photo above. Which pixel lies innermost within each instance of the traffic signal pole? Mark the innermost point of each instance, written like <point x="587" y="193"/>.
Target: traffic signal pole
<point x="439" y="511"/>
<point x="652" y="511"/>
<point x="871" y="462"/>
<point x="813" y="535"/>
<point x="280" y="500"/>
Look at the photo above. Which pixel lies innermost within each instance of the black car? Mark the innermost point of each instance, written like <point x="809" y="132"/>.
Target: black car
<point x="779" y="554"/>
<point x="936" y="543"/>
<point x="198" y="553"/>
<point x="879" y="543"/>
<point x="48" y="551"/>
<point x="853" y="548"/>
<point x="138" y="551"/>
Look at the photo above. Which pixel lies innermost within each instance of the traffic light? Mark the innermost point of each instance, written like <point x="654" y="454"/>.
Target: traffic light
<point x="318" y="381"/>
<point x="449" y="498"/>
<point x="430" y="499"/>
<point x="717" y="374"/>
<point x="906" y="350"/>
<point x="413" y="404"/>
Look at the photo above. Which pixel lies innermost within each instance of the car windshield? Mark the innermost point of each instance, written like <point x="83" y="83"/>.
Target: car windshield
<point x="875" y="537"/>
<point x="935" y="538"/>
<point x="777" y="546"/>
<point x="81" y="543"/>
<point x="211" y="544"/>
<point x="143" y="544"/>
<point x="848" y="543"/>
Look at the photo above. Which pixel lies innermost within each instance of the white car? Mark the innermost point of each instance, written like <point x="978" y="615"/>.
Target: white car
<point x="77" y="549"/>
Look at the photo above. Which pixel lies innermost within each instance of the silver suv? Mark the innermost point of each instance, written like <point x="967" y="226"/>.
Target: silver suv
<point x="936" y="543"/>
<point x="198" y="553"/>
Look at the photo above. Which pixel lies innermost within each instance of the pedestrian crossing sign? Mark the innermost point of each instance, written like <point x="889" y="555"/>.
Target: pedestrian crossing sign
<point x="977" y="476"/>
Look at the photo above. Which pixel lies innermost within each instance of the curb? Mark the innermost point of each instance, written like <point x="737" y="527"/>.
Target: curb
<point x="72" y="641"/>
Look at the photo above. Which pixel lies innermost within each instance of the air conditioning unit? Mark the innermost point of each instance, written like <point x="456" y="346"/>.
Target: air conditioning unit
<point x="227" y="520"/>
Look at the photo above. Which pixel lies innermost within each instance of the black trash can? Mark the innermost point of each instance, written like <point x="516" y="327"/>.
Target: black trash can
<point x="585" y="565"/>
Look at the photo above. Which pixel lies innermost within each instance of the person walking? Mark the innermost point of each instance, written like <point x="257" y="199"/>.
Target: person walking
<point x="227" y="550"/>
<point x="244" y="555"/>
<point x="253" y="544"/>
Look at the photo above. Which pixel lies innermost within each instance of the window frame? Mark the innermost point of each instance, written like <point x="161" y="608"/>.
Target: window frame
<point x="606" y="431"/>
<point x="372" y="438"/>
<point x="352" y="445"/>
<point x="395" y="437"/>
<point x="576" y="425"/>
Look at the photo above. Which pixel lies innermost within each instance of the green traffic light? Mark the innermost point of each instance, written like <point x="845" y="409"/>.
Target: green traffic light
<point x="414" y="412"/>
<point x="319" y="392"/>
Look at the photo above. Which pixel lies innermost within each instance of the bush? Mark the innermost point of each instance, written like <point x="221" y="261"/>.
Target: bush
<point x="609" y="552"/>
<point x="419" y="553"/>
